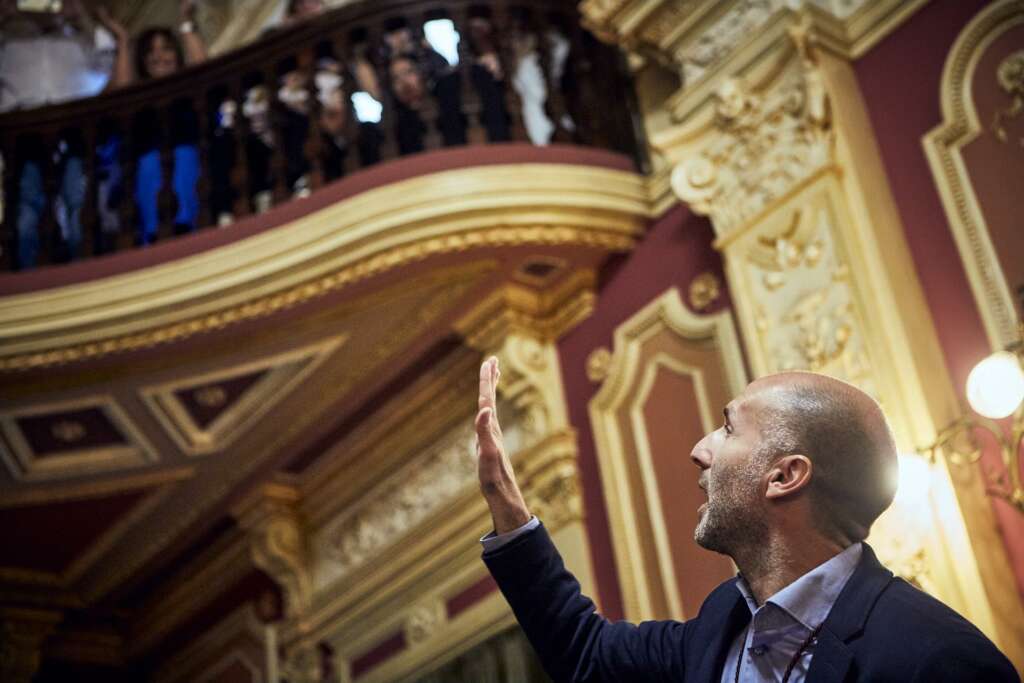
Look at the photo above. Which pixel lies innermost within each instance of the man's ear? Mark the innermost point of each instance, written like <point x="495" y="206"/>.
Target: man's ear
<point x="789" y="475"/>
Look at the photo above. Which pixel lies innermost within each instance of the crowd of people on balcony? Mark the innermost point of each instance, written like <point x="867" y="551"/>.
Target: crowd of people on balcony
<point x="417" y="74"/>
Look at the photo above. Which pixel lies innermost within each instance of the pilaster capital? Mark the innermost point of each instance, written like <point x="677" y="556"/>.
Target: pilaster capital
<point x="277" y="540"/>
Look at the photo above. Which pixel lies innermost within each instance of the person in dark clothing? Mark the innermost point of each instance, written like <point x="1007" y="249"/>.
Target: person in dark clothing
<point x="488" y="77"/>
<point x="415" y="69"/>
<point x="796" y="475"/>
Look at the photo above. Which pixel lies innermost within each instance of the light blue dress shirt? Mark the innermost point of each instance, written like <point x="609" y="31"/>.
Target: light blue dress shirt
<point x="778" y="627"/>
<point x="781" y="625"/>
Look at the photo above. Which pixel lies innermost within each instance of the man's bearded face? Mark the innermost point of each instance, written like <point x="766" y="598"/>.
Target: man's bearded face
<point x="731" y="477"/>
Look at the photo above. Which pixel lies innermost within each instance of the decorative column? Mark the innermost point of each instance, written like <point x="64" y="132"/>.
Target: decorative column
<point x="787" y="168"/>
<point x="520" y="325"/>
<point x="22" y="634"/>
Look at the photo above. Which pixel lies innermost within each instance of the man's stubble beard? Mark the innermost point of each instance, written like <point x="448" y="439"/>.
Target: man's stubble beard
<point x="731" y="522"/>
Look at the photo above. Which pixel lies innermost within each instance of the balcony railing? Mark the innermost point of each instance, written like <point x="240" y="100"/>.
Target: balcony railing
<point x="303" y="107"/>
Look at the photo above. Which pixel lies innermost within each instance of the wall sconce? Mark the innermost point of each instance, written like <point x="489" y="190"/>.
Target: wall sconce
<point x="995" y="390"/>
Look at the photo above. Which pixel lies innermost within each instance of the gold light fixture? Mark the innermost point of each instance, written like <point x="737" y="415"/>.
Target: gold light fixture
<point x="995" y="390"/>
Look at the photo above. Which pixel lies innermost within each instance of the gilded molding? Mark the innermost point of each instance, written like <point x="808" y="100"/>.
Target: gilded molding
<point x="699" y="39"/>
<point x="57" y="492"/>
<point x="943" y="145"/>
<point x="599" y="362"/>
<point x="765" y="145"/>
<point x="633" y="505"/>
<point x="392" y="509"/>
<point x="24" y="464"/>
<point x="428" y="408"/>
<point x="553" y="492"/>
<point x="284" y="372"/>
<point x="278" y="541"/>
<point x="417" y="304"/>
<point x="703" y="291"/>
<point x="516" y="309"/>
<point x="372" y="233"/>
<point x="408" y="581"/>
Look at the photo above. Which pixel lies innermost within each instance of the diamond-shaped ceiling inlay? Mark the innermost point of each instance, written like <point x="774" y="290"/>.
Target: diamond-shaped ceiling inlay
<point x="206" y="413"/>
<point x="71" y="438"/>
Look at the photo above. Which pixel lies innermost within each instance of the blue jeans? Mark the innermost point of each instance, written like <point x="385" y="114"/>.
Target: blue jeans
<point x="150" y="180"/>
<point x="69" y="204"/>
<point x="108" y="186"/>
<point x="31" y="204"/>
<point x="186" y="180"/>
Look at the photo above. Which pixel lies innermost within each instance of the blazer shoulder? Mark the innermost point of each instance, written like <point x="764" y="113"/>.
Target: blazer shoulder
<point x="914" y="621"/>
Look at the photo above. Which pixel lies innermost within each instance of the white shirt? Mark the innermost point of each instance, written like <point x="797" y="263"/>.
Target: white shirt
<point x="51" y="68"/>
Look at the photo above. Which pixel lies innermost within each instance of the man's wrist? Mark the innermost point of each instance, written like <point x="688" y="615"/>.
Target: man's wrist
<point x="509" y="516"/>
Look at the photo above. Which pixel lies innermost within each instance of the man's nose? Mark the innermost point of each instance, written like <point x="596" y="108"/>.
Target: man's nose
<point x="701" y="453"/>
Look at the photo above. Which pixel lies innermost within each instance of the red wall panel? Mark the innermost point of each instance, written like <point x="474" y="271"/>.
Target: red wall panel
<point x="676" y="248"/>
<point x="900" y="80"/>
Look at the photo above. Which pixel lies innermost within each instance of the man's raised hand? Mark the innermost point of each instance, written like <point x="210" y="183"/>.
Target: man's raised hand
<point x="497" y="481"/>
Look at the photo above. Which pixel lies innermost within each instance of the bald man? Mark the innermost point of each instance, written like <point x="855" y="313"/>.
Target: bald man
<point x="801" y="467"/>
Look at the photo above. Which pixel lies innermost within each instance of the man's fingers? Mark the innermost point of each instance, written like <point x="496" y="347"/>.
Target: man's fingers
<point x="488" y="384"/>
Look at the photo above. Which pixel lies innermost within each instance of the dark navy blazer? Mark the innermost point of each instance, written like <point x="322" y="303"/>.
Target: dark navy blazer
<point x="880" y="629"/>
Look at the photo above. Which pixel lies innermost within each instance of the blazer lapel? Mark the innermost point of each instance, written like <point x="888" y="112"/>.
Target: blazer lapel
<point x="831" y="660"/>
<point x="832" y="656"/>
<point x="726" y="616"/>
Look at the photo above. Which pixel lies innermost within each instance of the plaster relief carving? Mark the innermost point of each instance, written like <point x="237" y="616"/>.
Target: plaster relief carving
<point x="805" y="313"/>
<point x="703" y="291"/>
<point x="766" y="143"/>
<point x="598" y="363"/>
<point x="724" y="36"/>
<point x="277" y="541"/>
<point x="1010" y="75"/>
<point x="424" y="621"/>
<point x="555" y="495"/>
<point x="410" y="497"/>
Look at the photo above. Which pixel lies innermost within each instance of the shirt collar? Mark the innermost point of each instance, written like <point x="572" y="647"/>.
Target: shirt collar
<point x="810" y="598"/>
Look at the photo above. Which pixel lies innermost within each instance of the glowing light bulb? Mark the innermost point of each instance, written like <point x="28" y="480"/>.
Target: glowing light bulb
<point x="995" y="386"/>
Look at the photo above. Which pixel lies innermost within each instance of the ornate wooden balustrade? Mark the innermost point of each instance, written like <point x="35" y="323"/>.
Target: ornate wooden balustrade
<point x="525" y="71"/>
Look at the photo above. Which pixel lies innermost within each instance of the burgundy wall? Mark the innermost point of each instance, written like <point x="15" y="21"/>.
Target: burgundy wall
<point x="900" y="79"/>
<point x="676" y="248"/>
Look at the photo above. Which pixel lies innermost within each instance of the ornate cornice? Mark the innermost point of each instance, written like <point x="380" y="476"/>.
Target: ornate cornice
<point x="326" y="251"/>
<point x="542" y="315"/>
<point x="764" y="144"/>
<point x="697" y="38"/>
